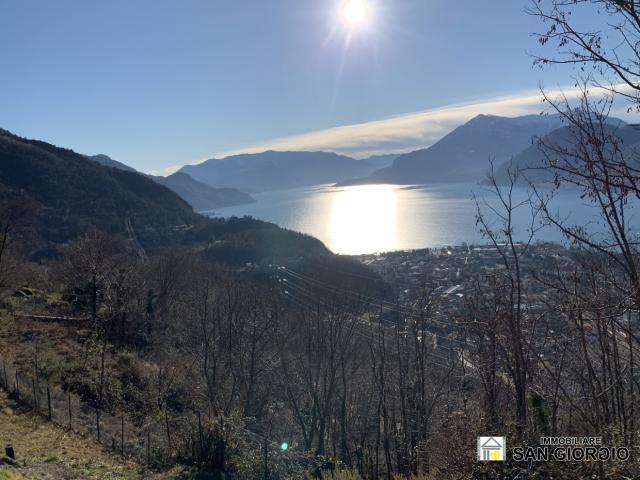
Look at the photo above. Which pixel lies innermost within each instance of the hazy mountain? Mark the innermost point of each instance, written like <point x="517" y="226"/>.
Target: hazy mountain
<point x="532" y="158"/>
<point x="71" y="193"/>
<point x="278" y="170"/>
<point x="376" y="162"/>
<point x="110" y="162"/>
<point x="201" y="196"/>
<point x="464" y="154"/>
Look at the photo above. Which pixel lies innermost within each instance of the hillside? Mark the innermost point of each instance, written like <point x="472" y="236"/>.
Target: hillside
<point x="201" y="196"/>
<point x="530" y="160"/>
<point x="71" y="193"/>
<point x="277" y="170"/>
<point x="44" y="450"/>
<point x="463" y="154"/>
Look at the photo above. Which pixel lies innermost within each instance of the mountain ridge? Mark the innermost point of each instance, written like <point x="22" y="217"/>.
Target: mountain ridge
<point x="274" y="170"/>
<point x="107" y="161"/>
<point x="463" y="154"/>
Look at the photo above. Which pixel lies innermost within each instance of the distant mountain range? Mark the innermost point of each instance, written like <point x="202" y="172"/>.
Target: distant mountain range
<point x="200" y="196"/>
<point x="281" y="170"/>
<point x="463" y="155"/>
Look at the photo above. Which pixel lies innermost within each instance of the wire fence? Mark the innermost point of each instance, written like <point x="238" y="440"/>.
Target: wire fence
<point x="157" y="442"/>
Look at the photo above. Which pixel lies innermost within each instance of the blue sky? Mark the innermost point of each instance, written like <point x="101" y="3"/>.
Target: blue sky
<point x="160" y="83"/>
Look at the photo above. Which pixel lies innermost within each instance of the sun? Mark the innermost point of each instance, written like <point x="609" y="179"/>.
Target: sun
<point x="354" y="12"/>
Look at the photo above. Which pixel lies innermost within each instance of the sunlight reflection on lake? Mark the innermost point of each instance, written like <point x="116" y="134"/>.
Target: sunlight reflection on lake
<point x="378" y="218"/>
<point x="364" y="219"/>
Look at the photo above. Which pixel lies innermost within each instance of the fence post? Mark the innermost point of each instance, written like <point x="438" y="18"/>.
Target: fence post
<point x="122" y="435"/>
<point x="98" y="422"/>
<point x="6" y="379"/>
<point x="35" y="396"/>
<point x="17" y="386"/>
<point x="166" y="423"/>
<point x="200" y="438"/>
<point x="69" y="403"/>
<point x="49" y="402"/>
<point x="266" y="458"/>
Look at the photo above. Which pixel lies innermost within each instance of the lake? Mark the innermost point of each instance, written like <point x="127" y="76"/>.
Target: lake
<point x="378" y="218"/>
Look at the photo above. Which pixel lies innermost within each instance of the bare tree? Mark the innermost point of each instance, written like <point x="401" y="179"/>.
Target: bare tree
<point x="14" y="219"/>
<point x="497" y="223"/>
<point x="605" y="48"/>
<point x="595" y="159"/>
<point x="600" y="296"/>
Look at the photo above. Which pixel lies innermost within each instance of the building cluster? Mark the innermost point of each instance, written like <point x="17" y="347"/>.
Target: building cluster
<point x="452" y="276"/>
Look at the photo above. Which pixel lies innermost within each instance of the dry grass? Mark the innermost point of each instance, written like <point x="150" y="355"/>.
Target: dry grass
<point x="18" y="337"/>
<point x="45" y="451"/>
<point x="6" y="474"/>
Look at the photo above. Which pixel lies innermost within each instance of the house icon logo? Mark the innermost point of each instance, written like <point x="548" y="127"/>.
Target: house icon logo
<point x="492" y="449"/>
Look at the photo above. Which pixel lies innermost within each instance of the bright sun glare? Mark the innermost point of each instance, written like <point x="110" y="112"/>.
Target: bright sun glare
<point x="354" y="12"/>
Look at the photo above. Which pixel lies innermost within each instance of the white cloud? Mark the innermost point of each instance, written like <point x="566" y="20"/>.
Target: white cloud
<point x="401" y="133"/>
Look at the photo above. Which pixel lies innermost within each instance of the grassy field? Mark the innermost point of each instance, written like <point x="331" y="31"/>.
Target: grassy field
<point x="45" y="451"/>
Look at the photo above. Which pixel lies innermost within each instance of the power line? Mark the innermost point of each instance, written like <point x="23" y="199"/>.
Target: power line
<point x="377" y="303"/>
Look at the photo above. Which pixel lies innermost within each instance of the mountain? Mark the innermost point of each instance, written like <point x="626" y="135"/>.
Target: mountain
<point x="277" y="170"/>
<point x="71" y="193"/>
<point x="110" y="162"/>
<point x="201" y="196"/>
<point x="463" y="154"/>
<point x="376" y="162"/>
<point x="531" y="159"/>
